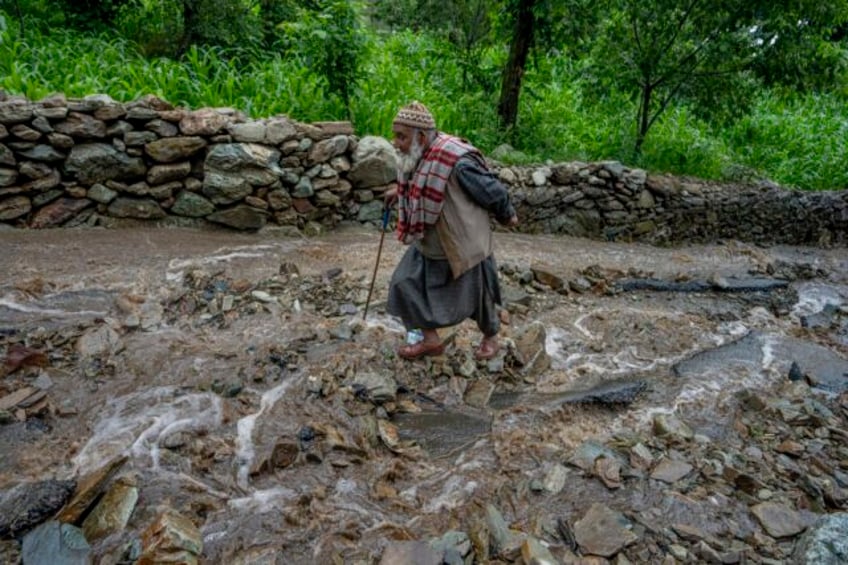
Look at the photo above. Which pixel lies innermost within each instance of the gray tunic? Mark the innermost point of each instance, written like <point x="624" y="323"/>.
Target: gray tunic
<point x="423" y="292"/>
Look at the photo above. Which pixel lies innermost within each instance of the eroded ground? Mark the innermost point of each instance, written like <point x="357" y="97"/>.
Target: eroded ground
<point x="235" y="373"/>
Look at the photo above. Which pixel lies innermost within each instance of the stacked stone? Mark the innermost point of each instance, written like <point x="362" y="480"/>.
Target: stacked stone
<point x="66" y="162"/>
<point x="607" y="200"/>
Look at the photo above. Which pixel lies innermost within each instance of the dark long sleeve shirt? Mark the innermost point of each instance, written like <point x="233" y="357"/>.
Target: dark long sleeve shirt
<point x="484" y="188"/>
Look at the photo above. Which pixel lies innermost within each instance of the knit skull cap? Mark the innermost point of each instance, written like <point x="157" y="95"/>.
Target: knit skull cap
<point x="415" y="115"/>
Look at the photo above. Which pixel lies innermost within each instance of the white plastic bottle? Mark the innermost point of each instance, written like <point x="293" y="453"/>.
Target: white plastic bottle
<point x="414" y="336"/>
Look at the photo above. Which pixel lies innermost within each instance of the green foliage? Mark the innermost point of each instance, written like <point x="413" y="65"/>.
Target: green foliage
<point x="801" y="47"/>
<point x="467" y="26"/>
<point x="78" y="65"/>
<point x="684" y="145"/>
<point x="696" y="52"/>
<point x="796" y="141"/>
<point x="169" y="27"/>
<point x="93" y="15"/>
<point x="155" y="27"/>
<point x="38" y="14"/>
<point x="329" y="39"/>
<point x="273" y="15"/>
<point x="84" y="15"/>
<point x="569" y="109"/>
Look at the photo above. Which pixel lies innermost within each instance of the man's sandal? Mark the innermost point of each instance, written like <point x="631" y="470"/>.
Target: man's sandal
<point x="421" y="349"/>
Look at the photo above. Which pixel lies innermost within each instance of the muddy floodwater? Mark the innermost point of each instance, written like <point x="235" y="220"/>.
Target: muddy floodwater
<point x="236" y="376"/>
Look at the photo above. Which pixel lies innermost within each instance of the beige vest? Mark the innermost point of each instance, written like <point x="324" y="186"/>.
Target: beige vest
<point x="462" y="234"/>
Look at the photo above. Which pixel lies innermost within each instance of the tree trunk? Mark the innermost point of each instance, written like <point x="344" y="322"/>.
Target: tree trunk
<point x="20" y="16"/>
<point x="189" y="26"/>
<point x="522" y="39"/>
<point x="644" y="119"/>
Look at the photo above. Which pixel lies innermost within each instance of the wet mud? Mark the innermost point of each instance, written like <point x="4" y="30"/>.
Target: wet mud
<point x="236" y="375"/>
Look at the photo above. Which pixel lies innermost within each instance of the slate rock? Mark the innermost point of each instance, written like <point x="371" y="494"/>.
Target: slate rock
<point x="57" y="544"/>
<point x="603" y="532"/>
<point x="825" y="543"/>
<point x="777" y="520"/>
<point x="98" y="162"/>
<point x="28" y="504"/>
<point x="241" y="217"/>
<point x="410" y="553"/>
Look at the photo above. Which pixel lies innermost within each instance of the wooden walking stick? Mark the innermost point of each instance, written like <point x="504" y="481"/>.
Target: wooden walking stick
<point x="377" y="263"/>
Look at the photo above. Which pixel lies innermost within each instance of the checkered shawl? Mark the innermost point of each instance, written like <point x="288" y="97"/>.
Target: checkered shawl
<point x="420" y="200"/>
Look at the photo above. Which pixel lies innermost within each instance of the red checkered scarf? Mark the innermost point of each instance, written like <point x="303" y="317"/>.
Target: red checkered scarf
<point x="420" y="201"/>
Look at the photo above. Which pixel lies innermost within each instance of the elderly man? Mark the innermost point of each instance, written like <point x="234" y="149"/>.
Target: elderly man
<point x="445" y="194"/>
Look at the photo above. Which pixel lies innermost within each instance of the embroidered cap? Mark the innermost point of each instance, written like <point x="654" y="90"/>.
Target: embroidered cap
<point x="415" y="115"/>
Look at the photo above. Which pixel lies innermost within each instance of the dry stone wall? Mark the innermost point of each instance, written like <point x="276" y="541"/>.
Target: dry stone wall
<point x="610" y="201"/>
<point x="95" y="161"/>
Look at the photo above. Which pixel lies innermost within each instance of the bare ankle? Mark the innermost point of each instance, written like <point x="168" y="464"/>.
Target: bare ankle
<point x="431" y="336"/>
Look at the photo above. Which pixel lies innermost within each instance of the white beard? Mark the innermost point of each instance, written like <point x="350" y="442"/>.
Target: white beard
<point x="408" y="162"/>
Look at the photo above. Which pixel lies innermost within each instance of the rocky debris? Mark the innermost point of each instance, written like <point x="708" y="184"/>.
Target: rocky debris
<point x="670" y="470"/>
<point x="24" y="403"/>
<point x="113" y="511"/>
<point x="778" y="520"/>
<point x="58" y="544"/>
<point x="411" y="553"/>
<point x="610" y="393"/>
<point x="171" y="538"/>
<point x="720" y="284"/>
<point x="819" y="366"/>
<point x="28" y="504"/>
<point x="18" y="355"/>
<point x="360" y="433"/>
<point x="529" y="350"/>
<point x="88" y="488"/>
<point x="603" y="532"/>
<point x="825" y="543"/>
<point x="215" y="298"/>
<point x="376" y="387"/>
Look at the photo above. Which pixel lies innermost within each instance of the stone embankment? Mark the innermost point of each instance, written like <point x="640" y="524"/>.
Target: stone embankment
<point x="95" y="161"/>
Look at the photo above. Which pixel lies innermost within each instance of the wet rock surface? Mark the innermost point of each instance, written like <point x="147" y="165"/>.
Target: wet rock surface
<point x="216" y="397"/>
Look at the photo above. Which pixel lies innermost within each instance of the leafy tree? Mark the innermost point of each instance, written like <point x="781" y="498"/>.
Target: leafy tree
<point x="91" y="14"/>
<point x="329" y="36"/>
<point x="273" y="14"/>
<point x="467" y="25"/>
<point x="224" y="23"/>
<point x="804" y="47"/>
<point x="523" y="28"/>
<point x="84" y="15"/>
<point x="171" y="27"/>
<point x="542" y="28"/>
<point x="701" y="50"/>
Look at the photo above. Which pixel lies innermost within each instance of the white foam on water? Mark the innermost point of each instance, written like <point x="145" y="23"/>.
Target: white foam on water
<point x="261" y="501"/>
<point x="814" y="296"/>
<point x="345" y="486"/>
<point x="223" y="255"/>
<point x="578" y="323"/>
<point x="209" y="538"/>
<point x="454" y="494"/>
<point x="704" y="392"/>
<point x="135" y="424"/>
<point x="11" y="303"/>
<point x="733" y="329"/>
<point x="554" y="338"/>
<point x="770" y="344"/>
<point x="622" y="362"/>
<point x="386" y="322"/>
<point x="245" y="450"/>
